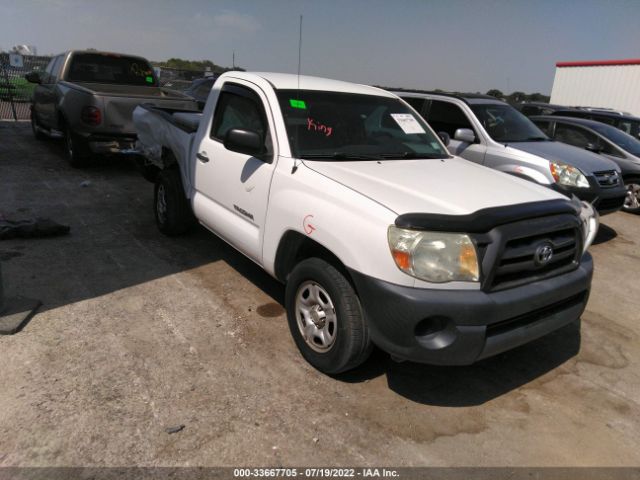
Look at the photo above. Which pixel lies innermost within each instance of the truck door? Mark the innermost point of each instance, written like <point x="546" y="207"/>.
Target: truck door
<point x="448" y="117"/>
<point x="43" y="94"/>
<point x="232" y="188"/>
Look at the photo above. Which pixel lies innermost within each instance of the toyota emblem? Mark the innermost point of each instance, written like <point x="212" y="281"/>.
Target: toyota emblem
<point x="543" y="255"/>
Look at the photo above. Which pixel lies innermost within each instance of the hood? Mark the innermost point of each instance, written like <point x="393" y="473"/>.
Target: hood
<point x="450" y="186"/>
<point x="588" y="162"/>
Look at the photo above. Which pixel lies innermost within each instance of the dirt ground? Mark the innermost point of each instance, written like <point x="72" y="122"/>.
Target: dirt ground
<point x="139" y="333"/>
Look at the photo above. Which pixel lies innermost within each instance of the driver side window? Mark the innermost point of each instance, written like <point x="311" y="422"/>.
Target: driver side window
<point x="575" y="136"/>
<point x="447" y="117"/>
<point x="239" y="107"/>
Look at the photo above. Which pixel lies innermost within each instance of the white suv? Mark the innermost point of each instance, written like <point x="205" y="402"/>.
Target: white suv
<point x="490" y="132"/>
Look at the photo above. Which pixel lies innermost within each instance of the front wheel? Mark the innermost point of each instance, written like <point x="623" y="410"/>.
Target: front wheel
<point x="35" y="127"/>
<point x="632" y="200"/>
<point x="172" y="210"/>
<point x="325" y="317"/>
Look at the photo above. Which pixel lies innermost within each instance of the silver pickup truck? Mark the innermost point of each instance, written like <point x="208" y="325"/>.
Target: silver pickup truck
<point x="88" y="97"/>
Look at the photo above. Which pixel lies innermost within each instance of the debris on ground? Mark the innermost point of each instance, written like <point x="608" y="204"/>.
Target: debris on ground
<point x="31" y="228"/>
<point x="176" y="429"/>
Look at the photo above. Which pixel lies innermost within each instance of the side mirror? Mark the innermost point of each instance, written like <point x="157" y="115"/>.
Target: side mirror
<point x="444" y="136"/>
<point x="244" y="141"/>
<point x="465" y="135"/>
<point x="592" y="147"/>
<point x="33" y="77"/>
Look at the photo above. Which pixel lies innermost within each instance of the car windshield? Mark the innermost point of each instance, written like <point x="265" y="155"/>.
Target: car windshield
<point x="621" y="139"/>
<point x="110" y="68"/>
<point x="347" y="126"/>
<point x="505" y="124"/>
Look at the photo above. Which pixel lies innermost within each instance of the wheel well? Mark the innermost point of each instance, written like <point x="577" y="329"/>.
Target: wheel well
<point x="62" y="121"/>
<point x="295" y="247"/>
<point x="168" y="158"/>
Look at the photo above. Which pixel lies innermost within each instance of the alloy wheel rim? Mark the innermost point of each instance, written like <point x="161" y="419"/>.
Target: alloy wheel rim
<point x="69" y="143"/>
<point x="316" y="316"/>
<point x="632" y="200"/>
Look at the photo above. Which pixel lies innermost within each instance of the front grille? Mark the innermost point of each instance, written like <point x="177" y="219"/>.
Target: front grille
<point x="532" y="317"/>
<point x="519" y="252"/>
<point x="607" y="178"/>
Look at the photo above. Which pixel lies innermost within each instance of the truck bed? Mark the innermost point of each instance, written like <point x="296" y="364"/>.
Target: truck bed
<point x="167" y="129"/>
<point x="117" y="103"/>
<point x="116" y="90"/>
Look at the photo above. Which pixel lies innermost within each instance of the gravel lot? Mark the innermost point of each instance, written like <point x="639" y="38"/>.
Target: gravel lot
<point x="139" y="333"/>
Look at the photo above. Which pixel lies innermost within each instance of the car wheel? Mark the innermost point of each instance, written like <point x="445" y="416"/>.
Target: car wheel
<point x="76" y="148"/>
<point x="172" y="210"/>
<point x="325" y="317"/>
<point x="35" y="127"/>
<point x="632" y="200"/>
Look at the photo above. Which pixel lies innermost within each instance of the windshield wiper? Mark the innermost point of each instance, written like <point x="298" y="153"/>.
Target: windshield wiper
<point x="536" y="139"/>
<point x="340" y="156"/>
<point x="410" y="155"/>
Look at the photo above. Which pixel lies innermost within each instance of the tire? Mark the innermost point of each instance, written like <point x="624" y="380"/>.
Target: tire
<point x="171" y="206"/>
<point x="76" y="148"/>
<point x="37" y="133"/>
<point x="632" y="200"/>
<point x="341" y="342"/>
<point x="149" y="172"/>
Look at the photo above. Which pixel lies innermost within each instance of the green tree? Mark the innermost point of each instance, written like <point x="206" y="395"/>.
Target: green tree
<point x="495" y="93"/>
<point x="199" y="65"/>
<point x="517" y="97"/>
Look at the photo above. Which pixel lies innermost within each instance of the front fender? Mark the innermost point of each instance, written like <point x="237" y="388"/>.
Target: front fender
<point x="526" y="173"/>
<point x="351" y="226"/>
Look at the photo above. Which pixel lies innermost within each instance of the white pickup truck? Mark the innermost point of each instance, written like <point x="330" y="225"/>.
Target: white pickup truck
<point x="345" y="194"/>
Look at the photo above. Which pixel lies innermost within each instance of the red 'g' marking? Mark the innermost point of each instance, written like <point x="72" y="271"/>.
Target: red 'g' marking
<point x="308" y="228"/>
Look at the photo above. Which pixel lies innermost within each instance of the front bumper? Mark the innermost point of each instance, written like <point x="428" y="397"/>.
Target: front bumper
<point x="605" y="200"/>
<point x="460" y="327"/>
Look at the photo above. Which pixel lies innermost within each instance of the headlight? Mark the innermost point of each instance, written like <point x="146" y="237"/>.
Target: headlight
<point x="568" y="175"/>
<point x="434" y="256"/>
<point x="590" y="223"/>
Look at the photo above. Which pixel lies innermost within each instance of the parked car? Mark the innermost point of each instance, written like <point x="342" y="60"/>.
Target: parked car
<point x="200" y="88"/>
<point x="345" y="194"/>
<point x="89" y="96"/>
<point x="625" y="122"/>
<point x="603" y="139"/>
<point x="177" y="84"/>
<point x="538" y="108"/>
<point x="490" y="132"/>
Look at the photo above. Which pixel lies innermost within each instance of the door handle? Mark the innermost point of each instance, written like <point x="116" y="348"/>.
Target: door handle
<point x="202" y="157"/>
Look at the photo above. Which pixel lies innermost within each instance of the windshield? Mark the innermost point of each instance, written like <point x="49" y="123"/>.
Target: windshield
<point x="621" y="139"/>
<point x="108" y="68"/>
<point x="348" y="126"/>
<point x="505" y="124"/>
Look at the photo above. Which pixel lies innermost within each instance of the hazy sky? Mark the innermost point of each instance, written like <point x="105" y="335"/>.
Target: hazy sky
<point x="454" y="44"/>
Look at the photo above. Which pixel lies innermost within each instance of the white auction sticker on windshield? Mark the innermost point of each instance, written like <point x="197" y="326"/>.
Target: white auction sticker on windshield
<point x="407" y="123"/>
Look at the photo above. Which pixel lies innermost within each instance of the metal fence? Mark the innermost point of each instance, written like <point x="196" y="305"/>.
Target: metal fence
<point x="16" y="92"/>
